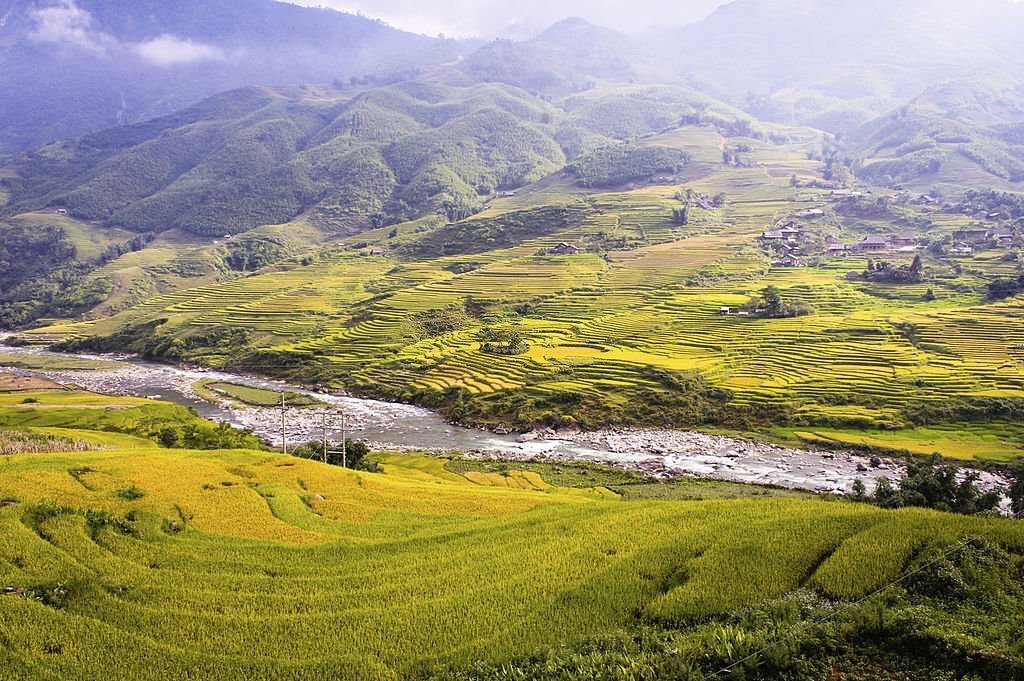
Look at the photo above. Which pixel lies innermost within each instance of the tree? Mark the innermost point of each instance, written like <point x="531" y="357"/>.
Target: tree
<point x="515" y="340"/>
<point x="718" y="200"/>
<point x="859" y="491"/>
<point x="915" y="268"/>
<point x="885" y="495"/>
<point x="167" y="437"/>
<point x="1016" y="489"/>
<point x="929" y="295"/>
<point x="772" y="300"/>
<point x="794" y="181"/>
<point x="355" y="456"/>
<point x="681" y="216"/>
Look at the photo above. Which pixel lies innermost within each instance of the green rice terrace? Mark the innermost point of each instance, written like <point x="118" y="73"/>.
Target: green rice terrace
<point x="615" y="303"/>
<point x="219" y="559"/>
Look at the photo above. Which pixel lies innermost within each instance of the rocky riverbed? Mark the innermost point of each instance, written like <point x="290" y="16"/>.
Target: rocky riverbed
<point x="384" y="425"/>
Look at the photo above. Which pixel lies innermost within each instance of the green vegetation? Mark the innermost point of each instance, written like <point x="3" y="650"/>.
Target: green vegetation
<point x="629" y="486"/>
<point x="49" y="362"/>
<point x="49" y="413"/>
<point x="618" y="164"/>
<point x="23" y="442"/>
<point x="257" y="397"/>
<point x="771" y="304"/>
<point x="355" y="454"/>
<point x="932" y="484"/>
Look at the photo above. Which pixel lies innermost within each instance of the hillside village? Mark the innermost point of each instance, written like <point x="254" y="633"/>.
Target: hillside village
<point x="807" y="236"/>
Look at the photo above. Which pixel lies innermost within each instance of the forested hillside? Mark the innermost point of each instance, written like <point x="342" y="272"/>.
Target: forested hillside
<point x="257" y="156"/>
<point x="967" y="130"/>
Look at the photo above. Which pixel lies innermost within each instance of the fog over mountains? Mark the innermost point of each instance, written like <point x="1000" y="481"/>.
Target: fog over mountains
<point x="74" y="66"/>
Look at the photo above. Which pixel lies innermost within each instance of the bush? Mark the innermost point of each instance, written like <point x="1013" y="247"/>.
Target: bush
<point x="130" y="493"/>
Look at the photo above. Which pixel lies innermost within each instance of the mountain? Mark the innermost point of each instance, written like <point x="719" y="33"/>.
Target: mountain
<point x="69" y="67"/>
<point x="967" y="130"/>
<point x="839" y="63"/>
<point x="570" y="56"/>
<point x="347" y="157"/>
<point x="260" y="156"/>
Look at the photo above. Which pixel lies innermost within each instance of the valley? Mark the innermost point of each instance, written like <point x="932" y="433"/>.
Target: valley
<point x="399" y="312"/>
<point x="333" y="350"/>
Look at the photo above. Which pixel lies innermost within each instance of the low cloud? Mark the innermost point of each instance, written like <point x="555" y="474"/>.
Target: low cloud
<point x="522" y="18"/>
<point x="169" y="50"/>
<point x="65" y="23"/>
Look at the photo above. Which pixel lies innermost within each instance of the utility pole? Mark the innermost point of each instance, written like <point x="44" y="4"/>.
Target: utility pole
<point x="325" y="436"/>
<point x="284" y="433"/>
<point x="344" y="441"/>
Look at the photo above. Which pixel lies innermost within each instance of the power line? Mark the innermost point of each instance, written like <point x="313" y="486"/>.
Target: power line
<point x="810" y="625"/>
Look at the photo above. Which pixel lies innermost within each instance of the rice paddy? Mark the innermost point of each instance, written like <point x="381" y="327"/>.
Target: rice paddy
<point x="644" y="296"/>
<point x="245" y="564"/>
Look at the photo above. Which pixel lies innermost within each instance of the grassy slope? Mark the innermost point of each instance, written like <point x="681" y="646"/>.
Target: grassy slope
<point x="278" y="566"/>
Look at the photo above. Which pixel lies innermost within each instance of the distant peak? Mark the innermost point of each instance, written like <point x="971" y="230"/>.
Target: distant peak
<point x="568" y="24"/>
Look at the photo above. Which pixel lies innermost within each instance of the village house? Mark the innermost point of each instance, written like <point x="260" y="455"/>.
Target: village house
<point x="837" y="250"/>
<point x="1002" y="237"/>
<point x="702" y="202"/>
<point x="789" y="260"/>
<point x="786" y="235"/>
<point x="378" y="252"/>
<point x="724" y="310"/>
<point x="813" y="213"/>
<point x="903" y="240"/>
<point x="971" y="236"/>
<point x="62" y="211"/>
<point x="961" y="249"/>
<point x="872" y="244"/>
<point x="564" y="249"/>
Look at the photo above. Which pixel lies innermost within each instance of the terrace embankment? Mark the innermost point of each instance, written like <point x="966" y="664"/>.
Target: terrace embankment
<point x="659" y="453"/>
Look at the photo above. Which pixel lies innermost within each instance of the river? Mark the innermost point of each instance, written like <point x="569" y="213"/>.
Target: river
<point x="387" y="425"/>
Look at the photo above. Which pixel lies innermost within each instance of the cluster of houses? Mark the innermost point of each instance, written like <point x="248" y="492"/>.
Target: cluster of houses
<point x="967" y="241"/>
<point x="895" y="243"/>
<point x="785" y="243"/>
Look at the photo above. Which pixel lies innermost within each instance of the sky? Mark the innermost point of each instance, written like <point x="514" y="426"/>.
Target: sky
<point x="520" y="18"/>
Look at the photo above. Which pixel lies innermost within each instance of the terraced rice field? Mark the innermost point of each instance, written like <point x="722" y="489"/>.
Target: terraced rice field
<point x="241" y="564"/>
<point x="645" y="295"/>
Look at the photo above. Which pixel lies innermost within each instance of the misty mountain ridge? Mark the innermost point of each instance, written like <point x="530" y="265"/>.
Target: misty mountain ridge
<point x="838" y="63"/>
<point x="75" y="66"/>
<point x="569" y="56"/>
